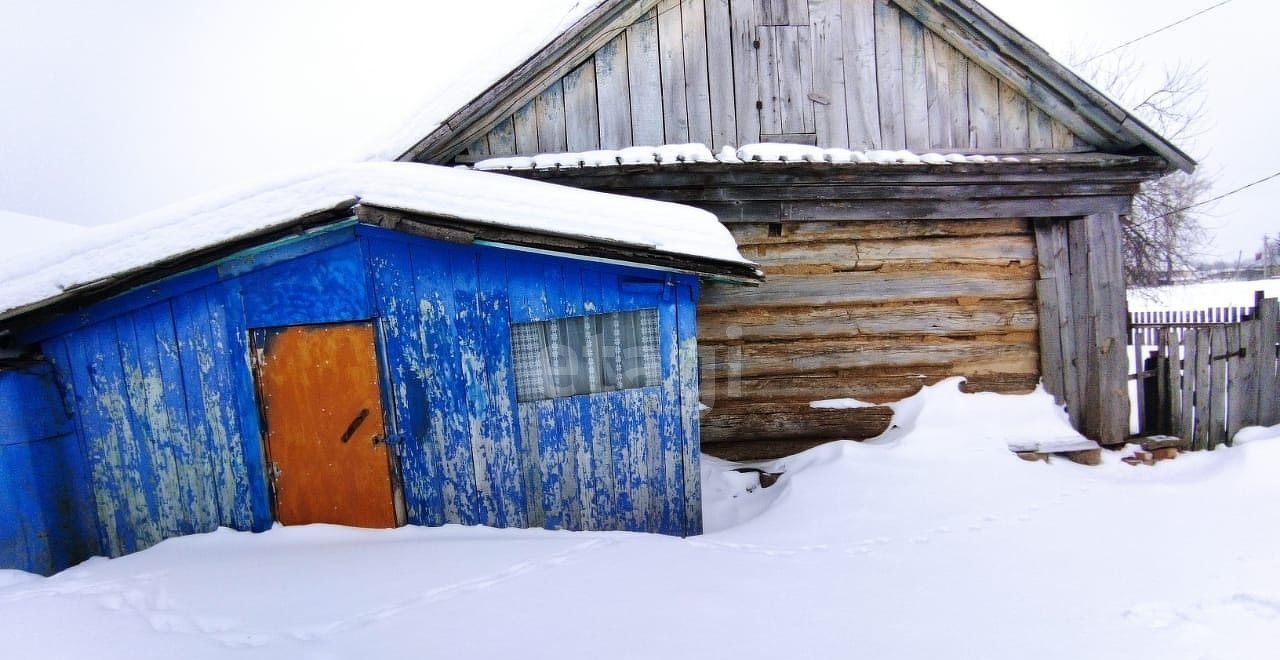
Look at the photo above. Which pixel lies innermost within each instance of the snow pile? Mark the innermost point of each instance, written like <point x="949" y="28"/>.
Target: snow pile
<point x="935" y="543"/>
<point x="840" y="404"/>
<point x="674" y="154"/>
<point x="1200" y="295"/>
<point x="93" y="254"/>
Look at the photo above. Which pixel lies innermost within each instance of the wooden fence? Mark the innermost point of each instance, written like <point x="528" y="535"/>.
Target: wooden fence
<point x="1208" y="373"/>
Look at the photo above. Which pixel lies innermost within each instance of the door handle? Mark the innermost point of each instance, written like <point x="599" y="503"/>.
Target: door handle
<point x="354" y="425"/>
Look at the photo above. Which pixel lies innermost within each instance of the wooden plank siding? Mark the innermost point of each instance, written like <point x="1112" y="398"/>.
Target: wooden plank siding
<point x="860" y="74"/>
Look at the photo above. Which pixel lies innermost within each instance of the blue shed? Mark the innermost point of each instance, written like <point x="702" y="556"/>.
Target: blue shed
<point x="381" y="345"/>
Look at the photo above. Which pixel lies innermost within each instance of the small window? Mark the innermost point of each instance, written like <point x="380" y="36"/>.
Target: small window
<point x="586" y="354"/>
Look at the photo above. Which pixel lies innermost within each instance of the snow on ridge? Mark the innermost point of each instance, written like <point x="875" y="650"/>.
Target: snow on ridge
<point x="771" y="152"/>
<point x="49" y="269"/>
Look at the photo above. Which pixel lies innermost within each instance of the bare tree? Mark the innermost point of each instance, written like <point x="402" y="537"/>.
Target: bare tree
<point x="1161" y="235"/>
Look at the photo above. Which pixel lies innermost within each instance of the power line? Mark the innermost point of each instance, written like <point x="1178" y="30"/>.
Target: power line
<point x="1158" y="31"/>
<point x="1219" y="197"/>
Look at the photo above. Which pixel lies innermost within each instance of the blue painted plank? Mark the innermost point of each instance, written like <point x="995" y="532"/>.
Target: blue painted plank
<point x="154" y="463"/>
<point x="30" y="405"/>
<point x="253" y="498"/>
<point x="687" y="355"/>
<point x="325" y="287"/>
<point x="196" y="354"/>
<point x="506" y="475"/>
<point x="85" y="535"/>
<point x="670" y="429"/>
<point x="19" y="517"/>
<point x="433" y="280"/>
<point x="643" y="433"/>
<point x="408" y="370"/>
<point x="466" y="321"/>
<point x="170" y="413"/>
<point x="552" y="455"/>
<point x="530" y="464"/>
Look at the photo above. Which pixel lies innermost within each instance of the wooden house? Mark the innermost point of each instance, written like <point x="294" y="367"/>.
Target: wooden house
<point x="392" y="343"/>
<point x="950" y="204"/>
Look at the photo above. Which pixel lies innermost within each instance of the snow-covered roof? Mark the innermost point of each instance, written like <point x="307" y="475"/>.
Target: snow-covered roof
<point x="49" y="270"/>
<point x="675" y="154"/>
<point x="21" y="230"/>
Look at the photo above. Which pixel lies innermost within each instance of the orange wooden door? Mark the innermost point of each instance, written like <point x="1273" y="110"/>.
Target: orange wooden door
<point x="322" y="404"/>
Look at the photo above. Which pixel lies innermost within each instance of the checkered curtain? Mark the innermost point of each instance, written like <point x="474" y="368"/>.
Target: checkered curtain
<point x="586" y="354"/>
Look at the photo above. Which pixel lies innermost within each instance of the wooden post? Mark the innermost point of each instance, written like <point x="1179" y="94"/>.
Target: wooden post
<point x="1204" y="388"/>
<point x="1172" y="348"/>
<point x="1268" y="389"/>
<point x="1240" y="378"/>
<point x="1217" y="386"/>
<point x="1187" y="419"/>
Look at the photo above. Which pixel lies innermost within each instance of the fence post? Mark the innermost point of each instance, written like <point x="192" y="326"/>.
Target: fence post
<point x="1268" y="391"/>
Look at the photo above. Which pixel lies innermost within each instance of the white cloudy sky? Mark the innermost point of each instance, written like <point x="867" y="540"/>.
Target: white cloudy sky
<point x="111" y="109"/>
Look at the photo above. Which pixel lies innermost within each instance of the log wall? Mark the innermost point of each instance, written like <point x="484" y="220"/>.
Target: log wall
<point x="872" y="310"/>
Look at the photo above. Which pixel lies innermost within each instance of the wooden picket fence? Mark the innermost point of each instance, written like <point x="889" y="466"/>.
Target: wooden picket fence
<point x="1208" y="373"/>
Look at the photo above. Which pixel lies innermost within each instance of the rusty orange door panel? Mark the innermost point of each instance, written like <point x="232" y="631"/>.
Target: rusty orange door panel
<point x="322" y="405"/>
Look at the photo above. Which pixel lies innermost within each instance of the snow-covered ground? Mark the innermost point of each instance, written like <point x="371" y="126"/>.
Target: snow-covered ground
<point x="933" y="542"/>
<point x="1201" y="295"/>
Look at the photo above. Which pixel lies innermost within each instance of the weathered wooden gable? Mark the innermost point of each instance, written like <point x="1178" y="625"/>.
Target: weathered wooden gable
<point x="861" y="74"/>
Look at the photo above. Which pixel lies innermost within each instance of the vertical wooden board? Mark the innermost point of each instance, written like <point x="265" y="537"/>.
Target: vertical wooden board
<point x="1041" y="130"/>
<point x="125" y="444"/>
<point x="1268" y="385"/>
<point x="494" y="323"/>
<point x="769" y="70"/>
<point x="525" y="123"/>
<point x="474" y="386"/>
<point x="79" y="475"/>
<point x="230" y="406"/>
<point x="1244" y="380"/>
<point x="720" y="74"/>
<point x="438" y="307"/>
<point x="888" y="26"/>
<point x="1218" y="394"/>
<point x="984" y="108"/>
<point x="577" y="461"/>
<point x="594" y="415"/>
<point x="1237" y="381"/>
<point x="96" y="432"/>
<point x="645" y="78"/>
<point x="1051" y="367"/>
<point x="1054" y="263"/>
<point x="1014" y="132"/>
<point x="479" y="146"/>
<point x="502" y="139"/>
<point x="613" y="95"/>
<point x="638" y="435"/>
<point x="529" y="441"/>
<point x="958" y="99"/>
<point x="862" y="98"/>
<point x="746" y="79"/>
<point x="621" y="459"/>
<point x="253" y="498"/>
<point x="418" y="449"/>
<point x="157" y="322"/>
<point x="690" y="404"/>
<point x="1111" y="317"/>
<point x="1171" y="355"/>
<point x="671" y="495"/>
<point x="1187" y="420"/>
<point x="549" y="107"/>
<point x="696" y="73"/>
<point x="795" y="78"/>
<point x="581" y="110"/>
<point x="149" y="409"/>
<point x="553" y="459"/>
<point x="675" y="107"/>
<point x="771" y="12"/>
<point x="1063" y="138"/>
<point x="831" y="120"/>
<point x="190" y="312"/>
<point x="1204" y="388"/>
<point x="915" y="87"/>
<point x="1087" y="365"/>
<point x="937" y="69"/>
